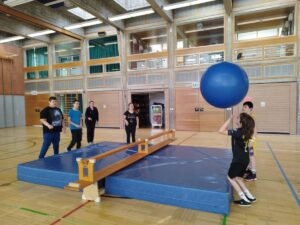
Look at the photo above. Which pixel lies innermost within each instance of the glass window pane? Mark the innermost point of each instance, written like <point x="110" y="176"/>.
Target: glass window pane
<point x="211" y="57"/>
<point x="30" y="75"/>
<point x="103" y="47"/>
<point x="113" y="67"/>
<point x="201" y="33"/>
<point x="96" y="69"/>
<point x="43" y="74"/>
<point x="37" y="57"/>
<point x="148" y="41"/>
<point x="67" y="52"/>
<point x="263" y="24"/>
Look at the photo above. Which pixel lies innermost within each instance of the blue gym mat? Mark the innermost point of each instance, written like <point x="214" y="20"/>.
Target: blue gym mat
<point x="59" y="170"/>
<point x="189" y="177"/>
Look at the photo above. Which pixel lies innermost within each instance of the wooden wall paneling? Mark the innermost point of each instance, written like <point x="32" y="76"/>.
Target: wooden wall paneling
<point x="154" y="55"/>
<point x="1" y="78"/>
<point x="7" y="76"/>
<point x="104" y="61"/>
<point x="186" y="100"/>
<point x="274" y="107"/>
<point x="109" y="106"/>
<point x="293" y="108"/>
<point x="212" y="118"/>
<point x="33" y="105"/>
<point x="12" y="67"/>
<point x="18" y="74"/>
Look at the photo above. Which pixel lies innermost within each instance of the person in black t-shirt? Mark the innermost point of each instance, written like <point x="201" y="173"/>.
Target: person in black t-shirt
<point x="91" y="118"/>
<point x="131" y="122"/>
<point x="53" y="122"/>
<point x="241" y="144"/>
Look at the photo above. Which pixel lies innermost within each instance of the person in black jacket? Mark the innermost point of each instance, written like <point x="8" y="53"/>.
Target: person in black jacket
<point x="131" y="120"/>
<point x="91" y="118"/>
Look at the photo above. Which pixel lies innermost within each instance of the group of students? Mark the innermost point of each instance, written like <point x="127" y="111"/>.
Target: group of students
<point x="243" y="141"/>
<point x="243" y="138"/>
<point x="53" y="124"/>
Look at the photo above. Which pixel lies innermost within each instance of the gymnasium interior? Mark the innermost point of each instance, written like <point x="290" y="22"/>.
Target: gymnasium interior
<point x="154" y="54"/>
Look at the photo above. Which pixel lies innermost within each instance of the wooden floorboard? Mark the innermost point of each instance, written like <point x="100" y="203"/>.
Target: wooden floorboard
<point x="25" y="203"/>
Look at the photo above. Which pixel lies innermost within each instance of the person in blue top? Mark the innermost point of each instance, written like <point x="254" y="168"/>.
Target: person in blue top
<point x="75" y="121"/>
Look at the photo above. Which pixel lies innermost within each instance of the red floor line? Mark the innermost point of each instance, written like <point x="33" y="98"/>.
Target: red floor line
<point x="69" y="213"/>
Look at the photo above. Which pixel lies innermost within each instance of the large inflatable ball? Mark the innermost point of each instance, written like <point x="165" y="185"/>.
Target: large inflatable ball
<point x="224" y="85"/>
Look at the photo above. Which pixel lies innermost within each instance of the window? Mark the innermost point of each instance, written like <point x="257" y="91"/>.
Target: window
<point x="96" y="69"/>
<point x="67" y="52"/>
<point x="201" y="33"/>
<point x="103" y="47"/>
<point x="66" y="72"/>
<point x="148" y="41"/>
<point x="113" y="67"/>
<point x="158" y="63"/>
<point x="36" y="74"/>
<point x="265" y="24"/>
<point x="36" y="57"/>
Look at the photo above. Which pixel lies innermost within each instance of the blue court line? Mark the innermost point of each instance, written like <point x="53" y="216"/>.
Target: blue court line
<point x="284" y="175"/>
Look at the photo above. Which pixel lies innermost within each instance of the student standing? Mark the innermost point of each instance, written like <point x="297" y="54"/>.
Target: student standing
<point x="241" y="144"/>
<point x="251" y="171"/>
<point x="53" y="123"/>
<point x="131" y="122"/>
<point x="91" y="118"/>
<point x="75" y="119"/>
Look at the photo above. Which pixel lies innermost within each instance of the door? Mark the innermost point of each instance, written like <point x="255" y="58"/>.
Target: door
<point x="193" y="113"/>
<point x="109" y="106"/>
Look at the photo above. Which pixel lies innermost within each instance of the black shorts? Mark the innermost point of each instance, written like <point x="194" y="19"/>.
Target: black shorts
<point x="237" y="170"/>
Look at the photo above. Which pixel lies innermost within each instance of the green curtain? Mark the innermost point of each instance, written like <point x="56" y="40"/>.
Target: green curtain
<point x="41" y="56"/>
<point x="30" y="58"/>
<point x="37" y="57"/>
<point x="104" y="47"/>
<point x="30" y="75"/>
<point x="43" y="74"/>
<point x="113" y="67"/>
<point x="96" y="69"/>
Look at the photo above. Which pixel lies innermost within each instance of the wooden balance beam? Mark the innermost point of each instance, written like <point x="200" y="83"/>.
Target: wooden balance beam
<point x="88" y="182"/>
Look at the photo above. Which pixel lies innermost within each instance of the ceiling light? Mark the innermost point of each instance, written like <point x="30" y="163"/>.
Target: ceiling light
<point x="185" y="4"/>
<point x="14" y="38"/>
<point x="60" y="50"/>
<point x="55" y="2"/>
<point x="40" y="33"/>
<point x="81" y="13"/>
<point x="153" y="37"/>
<point x="203" y="29"/>
<point x="13" y="3"/>
<point x="131" y="14"/>
<point x="83" y="24"/>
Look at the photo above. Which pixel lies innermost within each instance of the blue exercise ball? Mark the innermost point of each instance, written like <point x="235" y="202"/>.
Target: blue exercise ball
<point x="224" y="85"/>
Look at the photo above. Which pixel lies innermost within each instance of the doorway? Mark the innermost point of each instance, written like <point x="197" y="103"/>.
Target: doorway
<point x="150" y="107"/>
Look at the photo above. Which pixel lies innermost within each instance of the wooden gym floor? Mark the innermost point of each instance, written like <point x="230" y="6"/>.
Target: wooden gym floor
<point x="277" y="188"/>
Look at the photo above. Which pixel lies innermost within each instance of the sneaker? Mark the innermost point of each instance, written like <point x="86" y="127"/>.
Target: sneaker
<point x="242" y="202"/>
<point x="251" y="199"/>
<point x="250" y="177"/>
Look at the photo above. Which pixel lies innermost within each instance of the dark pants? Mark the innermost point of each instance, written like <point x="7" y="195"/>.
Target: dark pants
<point x="76" y="139"/>
<point x="90" y="127"/>
<point x="130" y="129"/>
<point x="49" y="138"/>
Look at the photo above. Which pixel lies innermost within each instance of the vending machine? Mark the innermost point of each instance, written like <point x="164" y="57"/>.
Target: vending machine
<point x="156" y="116"/>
